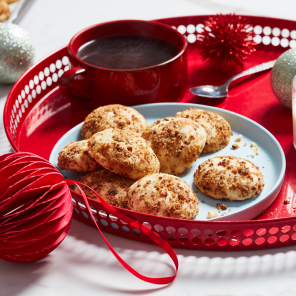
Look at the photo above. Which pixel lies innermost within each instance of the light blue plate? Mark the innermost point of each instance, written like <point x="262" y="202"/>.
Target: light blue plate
<point x="271" y="159"/>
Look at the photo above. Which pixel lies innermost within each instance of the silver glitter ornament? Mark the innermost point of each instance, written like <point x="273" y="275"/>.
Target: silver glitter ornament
<point x="17" y="52"/>
<point x="282" y="75"/>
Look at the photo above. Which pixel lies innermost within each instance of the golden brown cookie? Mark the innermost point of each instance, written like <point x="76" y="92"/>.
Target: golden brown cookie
<point x="177" y="142"/>
<point x="111" y="187"/>
<point x="113" y="116"/>
<point x="75" y="157"/>
<point x="217" y="128"/>
<point x="4" y="11"/>
<point x="10" y="1"/>
<point x="229" y="177"/>
<point x="123" y="152"/>
<point x="163" y="195"/>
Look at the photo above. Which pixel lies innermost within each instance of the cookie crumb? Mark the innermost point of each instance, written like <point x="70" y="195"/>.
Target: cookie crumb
<point x="221" y="207"/>
<point x="253" y="144"/>
<point x="239" y="138"/>
<point x="256" y="150"/>
<point x="251" y="154"/>
<point x="286" y="201"/>
<point x="235" y="146"/>
<point x="245" y="144"/>
<point x="271" y="213"/>
<point x="294" y="206"/>
<point x="212" y="214"/>
<point x="202" y="201"/>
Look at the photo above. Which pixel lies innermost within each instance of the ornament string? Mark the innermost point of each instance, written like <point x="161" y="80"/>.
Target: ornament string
<point x="144" y="229"/>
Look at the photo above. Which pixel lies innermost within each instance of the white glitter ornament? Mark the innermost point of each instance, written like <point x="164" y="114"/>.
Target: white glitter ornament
<point x="282" y="75"/>
<point x="17" y="52"/>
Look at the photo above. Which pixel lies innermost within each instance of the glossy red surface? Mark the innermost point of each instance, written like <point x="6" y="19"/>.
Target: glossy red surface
<point x="51" y="114"/>
<point x="161" y="83"/>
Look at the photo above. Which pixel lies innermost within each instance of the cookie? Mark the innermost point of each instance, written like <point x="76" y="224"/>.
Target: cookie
<point x="113" y="116"/>
<point x="163" y="195"/>
<point x="230" y="178"/>
<point x="111" y="187"/>
<point x="75" y="157"/>
<point x="123" y="152"/>
<point x="177" y="142"/>
<point x="4" y="11"/>
<point x="217" y="128"/>
<point x="10" y="1"/>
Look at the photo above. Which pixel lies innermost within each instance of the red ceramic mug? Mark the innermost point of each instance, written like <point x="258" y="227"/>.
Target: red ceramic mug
<point x="95" y="86"/>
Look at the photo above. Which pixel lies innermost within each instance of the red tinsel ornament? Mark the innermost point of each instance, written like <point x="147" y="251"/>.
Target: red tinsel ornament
<point x="226" y="41"/>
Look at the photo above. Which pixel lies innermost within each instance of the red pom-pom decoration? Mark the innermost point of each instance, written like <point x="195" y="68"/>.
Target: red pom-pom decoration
<point x="35" y="207"/>
<point x="226" y="41"/>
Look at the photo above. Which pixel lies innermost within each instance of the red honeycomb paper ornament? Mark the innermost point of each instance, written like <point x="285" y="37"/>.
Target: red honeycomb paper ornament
<point x="35" y="207"/>
<point x="36" y="211"/>
<point x="226" y="41"/>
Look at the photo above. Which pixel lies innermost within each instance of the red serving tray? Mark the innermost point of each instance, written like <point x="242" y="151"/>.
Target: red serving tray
<point x="36" y="115"/>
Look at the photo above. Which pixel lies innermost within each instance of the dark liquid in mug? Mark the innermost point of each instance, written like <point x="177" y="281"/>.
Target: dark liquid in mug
<point x="127" y="51"/>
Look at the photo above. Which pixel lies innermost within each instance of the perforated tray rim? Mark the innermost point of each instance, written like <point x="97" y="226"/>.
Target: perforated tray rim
<point x="41" y="79"/>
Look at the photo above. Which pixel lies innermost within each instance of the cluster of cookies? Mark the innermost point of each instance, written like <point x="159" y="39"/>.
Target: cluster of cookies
<point x="4" y="9"/>
<point x="135" y="166"/>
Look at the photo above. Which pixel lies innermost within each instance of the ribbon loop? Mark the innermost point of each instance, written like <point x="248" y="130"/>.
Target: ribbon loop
<point x="147" y="231"/>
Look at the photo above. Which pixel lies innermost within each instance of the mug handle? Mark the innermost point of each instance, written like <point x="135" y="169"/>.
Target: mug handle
<point x="65" y="81"/>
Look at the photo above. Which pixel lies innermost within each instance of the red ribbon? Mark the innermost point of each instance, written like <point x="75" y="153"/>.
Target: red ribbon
<point x="147" y="231"/>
